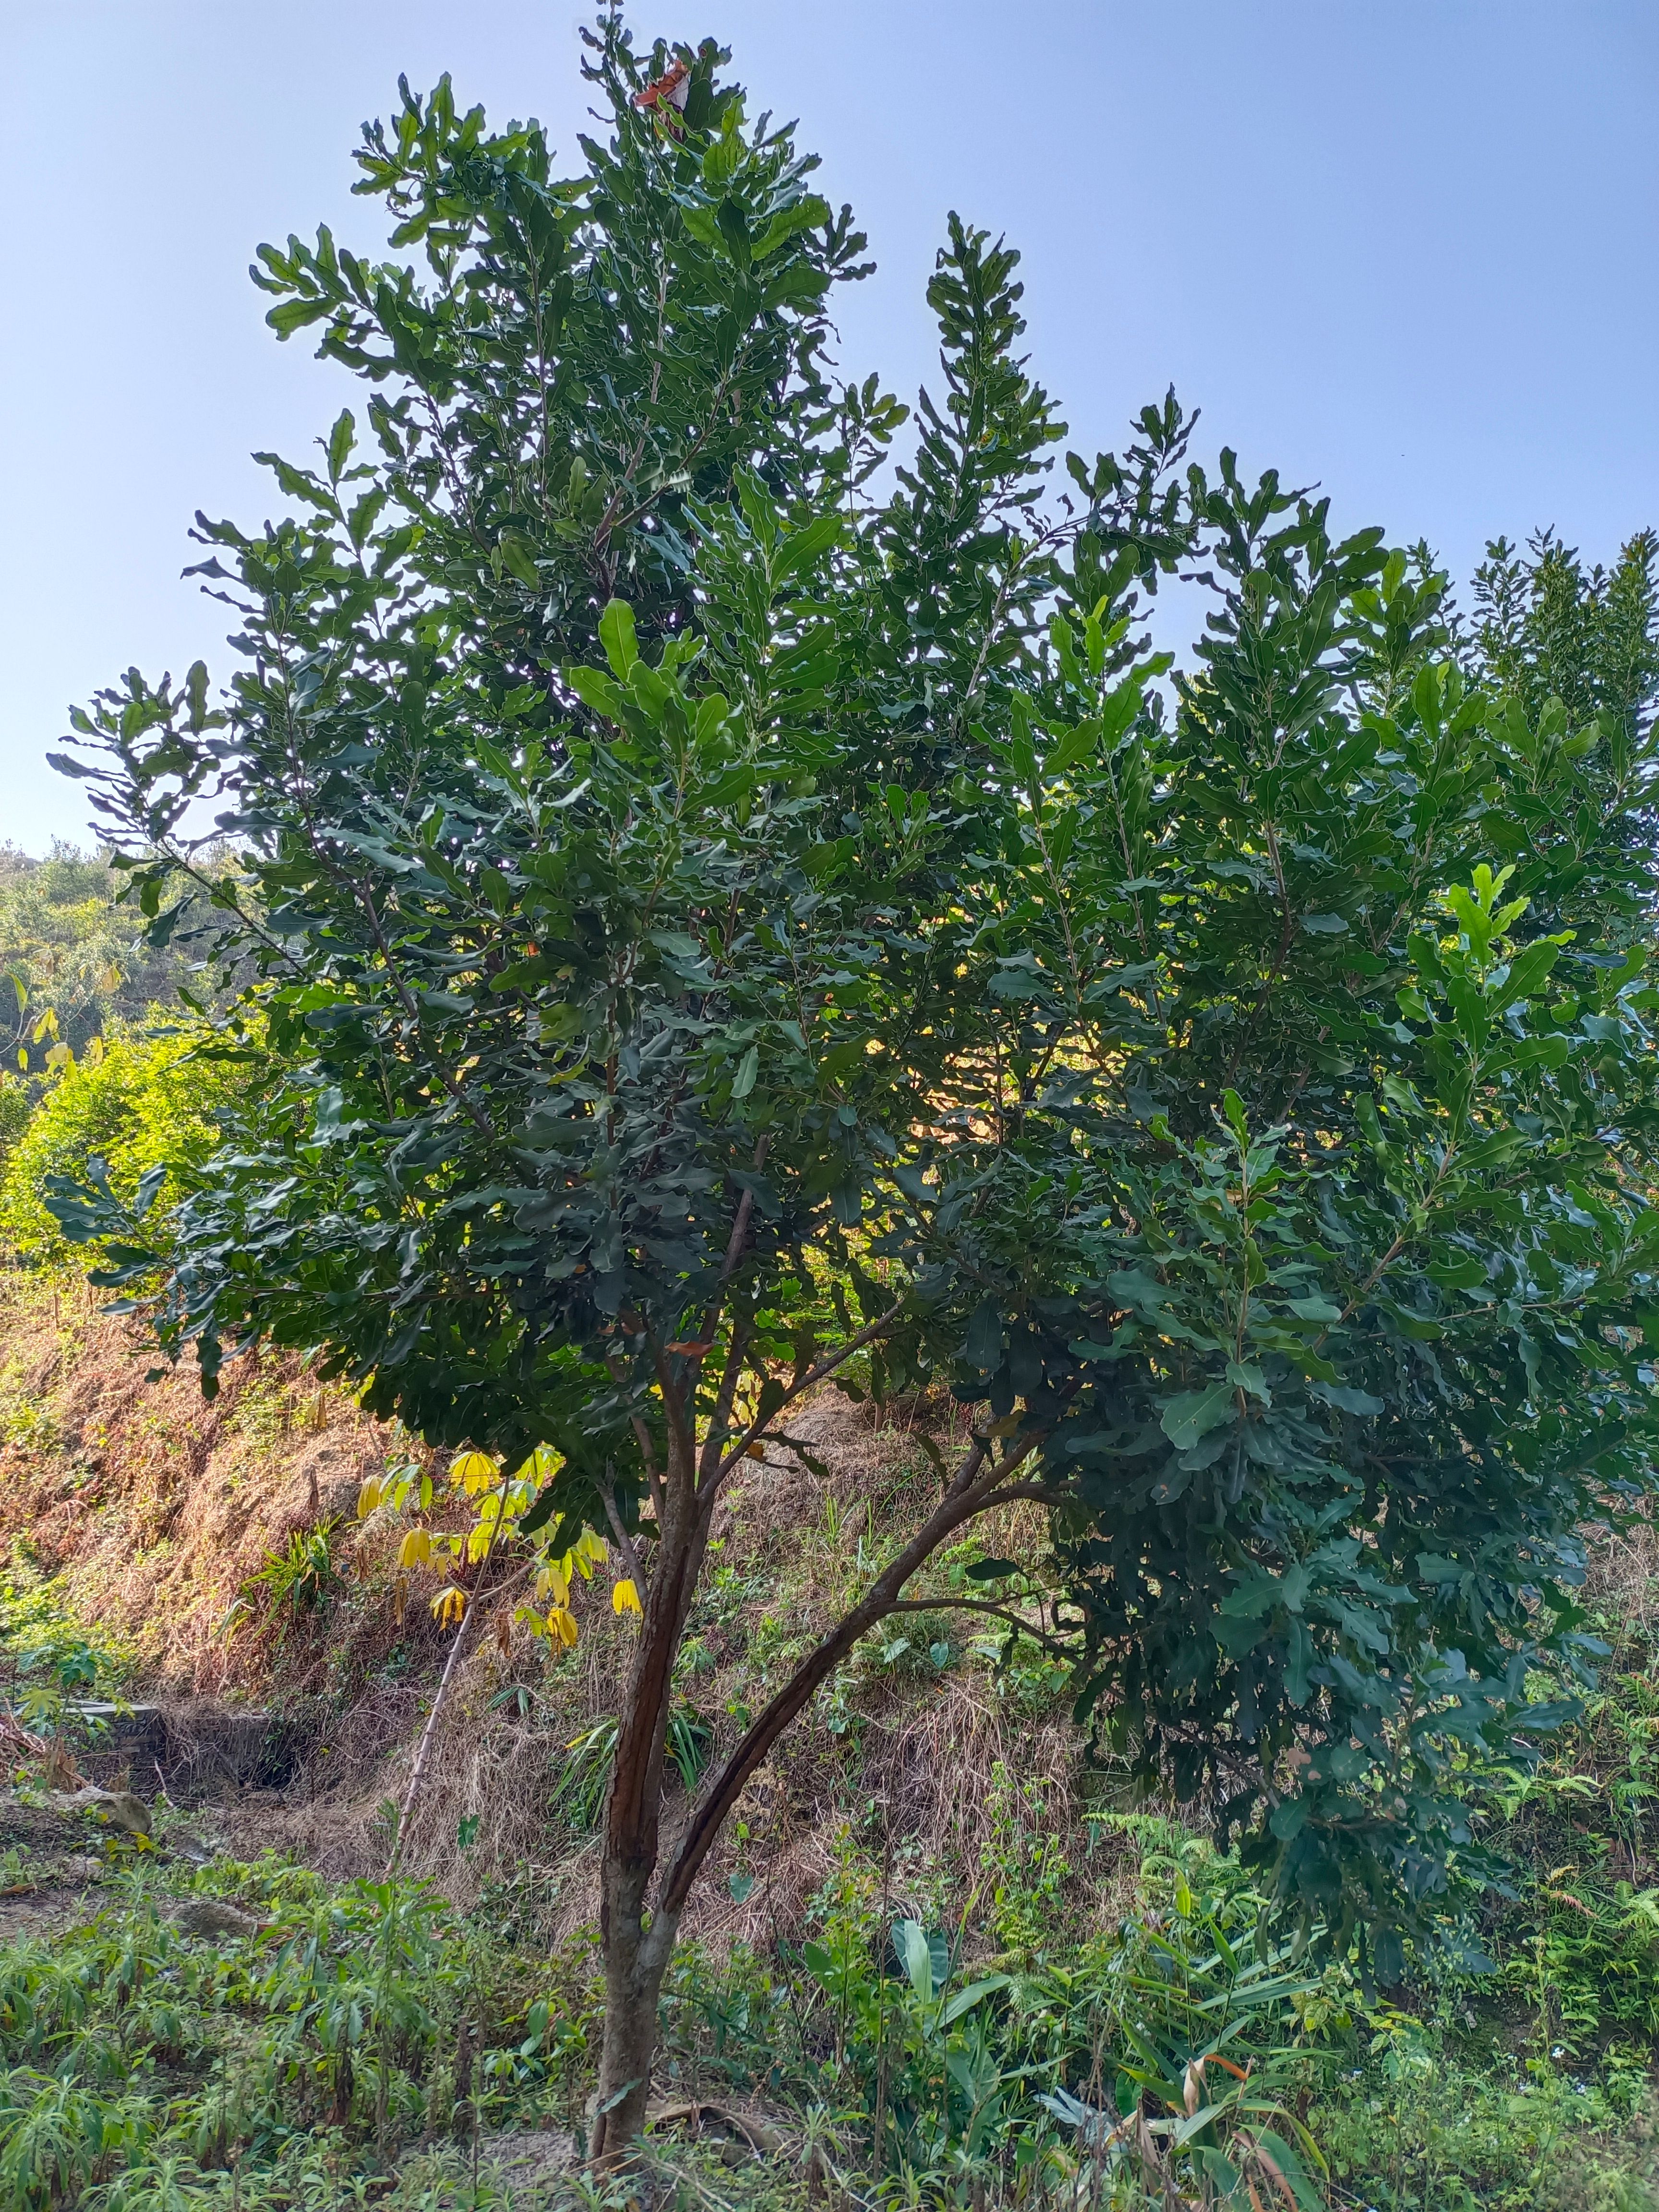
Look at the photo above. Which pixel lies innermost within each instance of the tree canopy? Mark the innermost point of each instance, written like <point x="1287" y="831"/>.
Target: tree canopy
<point x="722" y="908"/>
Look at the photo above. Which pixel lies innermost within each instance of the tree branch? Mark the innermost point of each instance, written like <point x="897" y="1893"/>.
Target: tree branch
<point x="653" y="1472"/>
<point x="624" y="1541"/>
<point x="757" y="1430"/>
<point x="979" y="1605"/>
<point x="462" y="1637"/>
<point x="734" y="1245"/>
<point x="972" y="1492"/>
<point x="710" y="1466"/>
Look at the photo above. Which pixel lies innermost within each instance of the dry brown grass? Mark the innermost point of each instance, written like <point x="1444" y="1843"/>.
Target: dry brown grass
<point x="157" y="1509"/>
<point x="1623" y="1574"/>
<point x="155" y="1505"/>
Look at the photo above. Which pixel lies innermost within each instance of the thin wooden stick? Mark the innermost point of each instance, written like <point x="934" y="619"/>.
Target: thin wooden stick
<point x="417" y="1772"/>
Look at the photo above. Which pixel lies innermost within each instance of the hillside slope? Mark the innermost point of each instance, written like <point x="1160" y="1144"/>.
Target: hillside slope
<point x="157" y="1513"/>
<point x="938" y="1781"/>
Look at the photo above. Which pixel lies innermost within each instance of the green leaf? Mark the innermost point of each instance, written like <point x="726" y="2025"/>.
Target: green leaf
<point x="616" y="636"/>
<point x="916" y="1956"/>
<point x="1346" y="1398"/>
<point x="1528" y="972"/>
<point x="975" y="1993"/>
<point x="982" y="1346"/>
<point x="597" y="691"/>
<point x="1192" y="1413"/>
<point x="1299" y="1662"/>
<point x="1288" y="1818"/>
<point x="341" y="439"/>
<point x="806" y="547"/>
<point x="806" y="214"/>
<point x="517" y="557"/>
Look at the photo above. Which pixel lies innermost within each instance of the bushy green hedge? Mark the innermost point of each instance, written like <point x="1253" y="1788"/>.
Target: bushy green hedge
<point x="146" y="1100"/>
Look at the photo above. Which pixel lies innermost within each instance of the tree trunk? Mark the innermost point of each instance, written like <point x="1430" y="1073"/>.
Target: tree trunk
<point x="636" y="1955"/>
<point x="635" y="1960"/>
<point x="637" y="1949"/>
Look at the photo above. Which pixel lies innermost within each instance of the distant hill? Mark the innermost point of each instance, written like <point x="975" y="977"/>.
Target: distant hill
<point x="67" y="948"/>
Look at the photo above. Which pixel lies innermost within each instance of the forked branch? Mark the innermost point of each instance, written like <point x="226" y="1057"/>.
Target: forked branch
<point x="974" y="1489"/>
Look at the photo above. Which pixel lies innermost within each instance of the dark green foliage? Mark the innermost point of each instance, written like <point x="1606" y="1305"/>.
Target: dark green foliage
<point x="1547" y="629"/>
<point x="1340" y="1151"/>
<point x="683" y="890"/>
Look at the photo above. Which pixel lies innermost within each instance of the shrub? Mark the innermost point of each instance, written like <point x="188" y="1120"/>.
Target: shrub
<point x="146" y="1102"/>
<point x="14" y="1114"/>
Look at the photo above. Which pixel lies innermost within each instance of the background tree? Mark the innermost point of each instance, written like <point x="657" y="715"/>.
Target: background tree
<point x="1347" y="1159"/>
<point x="70" y="954"/>
<point x="703" y="894"/>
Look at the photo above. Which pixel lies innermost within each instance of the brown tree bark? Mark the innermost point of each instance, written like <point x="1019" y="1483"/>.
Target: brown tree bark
<point x="639" y="1916"/>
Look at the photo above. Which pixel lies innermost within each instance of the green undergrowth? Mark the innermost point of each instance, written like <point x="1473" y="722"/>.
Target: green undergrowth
<point x="365" y="2042"/>
<point x="1017" y="2011"/>
<point x="52" y="1662"/>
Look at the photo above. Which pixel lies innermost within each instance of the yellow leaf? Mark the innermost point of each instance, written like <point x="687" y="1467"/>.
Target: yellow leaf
<point x="477" y="1540"/>
<point x="563" y="1626"/>
<point x="415" y="1550"/>
<point x="542" y="1463"/>
<point x="110" y="979"/>
<point x="450" y="1604"/>
<point x="473" y="1471"/>
<point x="624" y="1598"/>
<point x="92" y="1052"/>
<point x="589" y="1551"/>
<point x="552" y="1583"/>
<point x="368" y="1496"/>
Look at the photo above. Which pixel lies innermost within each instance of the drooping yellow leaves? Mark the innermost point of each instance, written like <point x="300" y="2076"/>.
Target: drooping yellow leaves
<point x="551" y="1587"/>
<point x="587" y="1553"/>
<point x="541" y="1466"/>
<point x="557" y="1624"/>
<point x="474" y="1471"/>
<point x="503" y="1499"/>
<point x="393" y="1487"/>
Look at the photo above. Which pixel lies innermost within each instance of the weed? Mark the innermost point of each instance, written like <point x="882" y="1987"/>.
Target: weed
<point x="301" y="1578"/>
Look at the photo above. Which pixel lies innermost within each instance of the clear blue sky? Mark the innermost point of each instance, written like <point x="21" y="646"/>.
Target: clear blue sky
<point x="1407" y="250"/>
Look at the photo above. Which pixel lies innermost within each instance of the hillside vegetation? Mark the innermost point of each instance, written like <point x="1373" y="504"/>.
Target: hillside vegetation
<point x="878" y="1427"/>
<point x="212" y="1559"/>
